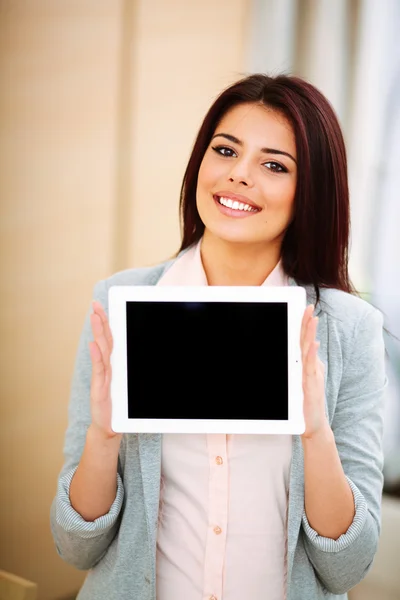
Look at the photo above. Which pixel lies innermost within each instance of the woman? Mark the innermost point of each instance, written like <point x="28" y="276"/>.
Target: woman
<point x="264" y="202"/>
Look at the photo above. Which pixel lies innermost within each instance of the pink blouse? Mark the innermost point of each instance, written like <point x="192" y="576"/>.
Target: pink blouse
<point x="223" y="501"/>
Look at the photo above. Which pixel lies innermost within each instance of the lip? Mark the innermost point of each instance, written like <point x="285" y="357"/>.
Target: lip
<point x="237" y="197"/>
<point x="231" y="212"/>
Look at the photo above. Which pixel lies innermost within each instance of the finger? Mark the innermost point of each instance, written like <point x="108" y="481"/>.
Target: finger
<point x="99" y="337"/>
<point x="306" y="317"/>
<point x="311" y="362"/>
<point x="310" y="335"/>
<point x="98" y="369"/>
<point x="305" y="344"/>
<point x="99" y="310"/>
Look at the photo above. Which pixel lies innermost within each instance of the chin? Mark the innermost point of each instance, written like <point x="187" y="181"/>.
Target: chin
<point x="235" y="235"/>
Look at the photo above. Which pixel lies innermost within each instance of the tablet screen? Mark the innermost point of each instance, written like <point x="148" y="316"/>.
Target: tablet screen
<point x="207" y="360"/>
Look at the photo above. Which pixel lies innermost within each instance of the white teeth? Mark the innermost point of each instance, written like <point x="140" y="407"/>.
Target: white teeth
<point x="234" y="205"/>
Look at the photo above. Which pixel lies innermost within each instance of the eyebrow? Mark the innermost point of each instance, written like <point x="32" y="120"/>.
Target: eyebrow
<point x="235" y="140"/>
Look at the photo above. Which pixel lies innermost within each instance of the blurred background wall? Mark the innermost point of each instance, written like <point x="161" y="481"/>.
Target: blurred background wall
<point x="100" y="101"/>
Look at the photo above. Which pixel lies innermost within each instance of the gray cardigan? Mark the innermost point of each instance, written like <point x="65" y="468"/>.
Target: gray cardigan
<point x="119" y="548"/>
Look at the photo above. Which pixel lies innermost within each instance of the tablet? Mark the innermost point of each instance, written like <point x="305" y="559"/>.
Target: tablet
<point x="206" y="359"/>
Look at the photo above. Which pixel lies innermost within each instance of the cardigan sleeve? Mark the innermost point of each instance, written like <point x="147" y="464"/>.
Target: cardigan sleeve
<point x="79" y="542"/>
<point x="357" y="425"/>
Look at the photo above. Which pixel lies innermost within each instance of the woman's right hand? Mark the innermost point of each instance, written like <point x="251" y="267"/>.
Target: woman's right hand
<point x="94" y="484"/>
<point x="100" y="354"/>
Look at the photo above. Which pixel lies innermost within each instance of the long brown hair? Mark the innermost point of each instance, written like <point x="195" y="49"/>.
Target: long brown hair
<point x="315" y="247"/>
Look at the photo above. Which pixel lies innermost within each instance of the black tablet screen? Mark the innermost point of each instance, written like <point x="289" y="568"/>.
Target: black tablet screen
<point x="207" y="360"/>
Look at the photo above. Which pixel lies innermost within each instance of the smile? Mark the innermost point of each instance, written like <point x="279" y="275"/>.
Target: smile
<point x="235" y="205"/>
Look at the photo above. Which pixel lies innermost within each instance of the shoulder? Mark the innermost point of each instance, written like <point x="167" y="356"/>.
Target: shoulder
<point x="345" y="311"/>
<point x="350" y="322"/>
<point x="139" y="276"/>
<point x="343" y="306"/>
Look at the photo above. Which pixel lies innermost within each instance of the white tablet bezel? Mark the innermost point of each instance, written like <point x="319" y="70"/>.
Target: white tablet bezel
<point x="294" y="296"/>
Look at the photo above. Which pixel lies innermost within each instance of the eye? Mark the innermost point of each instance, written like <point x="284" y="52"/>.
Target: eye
<point x="224" y="151"/>
<point x="275" y="167"/>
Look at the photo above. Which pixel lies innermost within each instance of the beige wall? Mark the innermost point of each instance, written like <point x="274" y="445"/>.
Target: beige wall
<point x="99" y="105"/>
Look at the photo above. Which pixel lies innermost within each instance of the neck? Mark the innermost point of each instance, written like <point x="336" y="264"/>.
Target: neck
<point x="227" y="263"/>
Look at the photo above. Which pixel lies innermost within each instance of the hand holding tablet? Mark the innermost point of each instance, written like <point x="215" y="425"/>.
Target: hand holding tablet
<point x="100" y="352"/>
<point x="207" y="359"/>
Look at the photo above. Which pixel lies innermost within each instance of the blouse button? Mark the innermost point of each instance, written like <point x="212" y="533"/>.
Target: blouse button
<point x="217" y="530"/>
<point x="219" y="460"/>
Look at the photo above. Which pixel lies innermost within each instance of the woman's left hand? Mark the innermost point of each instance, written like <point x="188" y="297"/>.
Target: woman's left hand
<point x="313" y="377"/>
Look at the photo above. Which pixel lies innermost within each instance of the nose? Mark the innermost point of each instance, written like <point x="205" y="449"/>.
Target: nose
<point x="240" y="174"/>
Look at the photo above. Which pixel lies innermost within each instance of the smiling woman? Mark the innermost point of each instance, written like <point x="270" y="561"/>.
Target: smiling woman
<point x="264" y="201"/>
<point x="279" y="139"/>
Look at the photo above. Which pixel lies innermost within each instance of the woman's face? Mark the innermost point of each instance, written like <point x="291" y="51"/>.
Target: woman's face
<point x="247" y="179"/>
